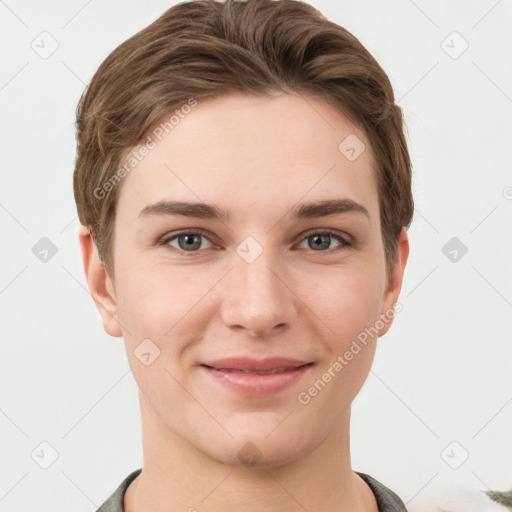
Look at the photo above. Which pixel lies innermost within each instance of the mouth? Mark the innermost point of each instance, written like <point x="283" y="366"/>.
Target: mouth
<point x="255" y="372"/>
<point x="248" y="365"/>
<point x="256" y="378"/>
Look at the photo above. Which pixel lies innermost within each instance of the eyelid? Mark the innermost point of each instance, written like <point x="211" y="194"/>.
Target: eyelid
<point x="344" y="238"/>
<point x="329" y="231"/>
<point x="190" y="231"/>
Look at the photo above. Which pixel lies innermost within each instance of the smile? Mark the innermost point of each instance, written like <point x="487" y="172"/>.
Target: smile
<point x="256" y="383"/>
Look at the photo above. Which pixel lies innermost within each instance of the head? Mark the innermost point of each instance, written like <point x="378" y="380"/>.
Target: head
<point x="257" y="108"/>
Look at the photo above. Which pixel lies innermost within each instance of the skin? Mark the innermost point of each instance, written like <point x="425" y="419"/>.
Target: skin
<point x="256" y="157"/>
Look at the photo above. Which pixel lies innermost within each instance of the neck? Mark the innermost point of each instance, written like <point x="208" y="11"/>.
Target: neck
<point x="178" y="476"/>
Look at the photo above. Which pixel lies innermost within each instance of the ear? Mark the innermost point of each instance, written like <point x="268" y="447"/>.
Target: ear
<point x="100" y="284"/>
<point x="394" y="285"/>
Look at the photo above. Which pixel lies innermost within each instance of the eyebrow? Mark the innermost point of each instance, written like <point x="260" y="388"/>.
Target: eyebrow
<point x="307" y="210"/>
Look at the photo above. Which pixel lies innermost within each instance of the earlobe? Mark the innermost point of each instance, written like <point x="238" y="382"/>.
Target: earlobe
<point x="395" y="281"/>
<point x="100" y="284"/>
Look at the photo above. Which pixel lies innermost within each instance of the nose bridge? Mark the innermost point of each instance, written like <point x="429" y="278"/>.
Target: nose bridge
<point x="258" y="299"/>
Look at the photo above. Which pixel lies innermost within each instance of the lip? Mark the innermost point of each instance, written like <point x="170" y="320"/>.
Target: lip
<point x="227" y="373"/>
<point x="255" y="365"/>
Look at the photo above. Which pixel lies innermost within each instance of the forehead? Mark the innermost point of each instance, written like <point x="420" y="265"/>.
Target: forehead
<point x="256" y="154"/>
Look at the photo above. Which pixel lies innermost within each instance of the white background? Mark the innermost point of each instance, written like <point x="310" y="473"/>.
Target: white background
<point x="443" y="372"/>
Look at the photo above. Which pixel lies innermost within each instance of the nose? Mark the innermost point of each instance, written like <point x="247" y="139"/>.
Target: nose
<point x="259" y="297"/>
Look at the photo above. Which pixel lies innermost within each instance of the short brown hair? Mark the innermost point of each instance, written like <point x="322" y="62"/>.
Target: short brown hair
<point x="204" y="49"/>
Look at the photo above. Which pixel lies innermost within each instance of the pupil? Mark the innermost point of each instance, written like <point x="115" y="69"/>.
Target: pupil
<point x="318" y="242"/>
<point x="190" y="241"/>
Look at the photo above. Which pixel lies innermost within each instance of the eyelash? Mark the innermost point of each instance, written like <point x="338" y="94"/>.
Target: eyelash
<point x="345" y="244"/>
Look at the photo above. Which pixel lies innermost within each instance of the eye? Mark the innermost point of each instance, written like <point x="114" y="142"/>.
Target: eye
<point x="322" y="240"/>
<point x="188" y="241"/>
<point x="192" y="241"/>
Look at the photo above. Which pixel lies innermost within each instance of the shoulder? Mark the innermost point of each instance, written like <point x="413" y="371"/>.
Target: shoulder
<point x="115" y="502"/>
<point x="387" y="500"/>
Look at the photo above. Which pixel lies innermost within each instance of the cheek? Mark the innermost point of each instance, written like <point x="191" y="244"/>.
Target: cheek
<point x="347" y="350"/>
<point x="345" y="300"/>
<point x="347" y="309"/>
<point x="337" y="303"/>
<point x="155" y="311"/>
<point x="154" y="299"/>
<point x="173" y="308"/>
<point x="170" y="308"/>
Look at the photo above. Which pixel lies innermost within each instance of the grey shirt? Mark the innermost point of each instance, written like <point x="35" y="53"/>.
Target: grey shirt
<point x="387" y="500"/>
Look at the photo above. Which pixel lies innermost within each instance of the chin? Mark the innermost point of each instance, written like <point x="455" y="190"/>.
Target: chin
<point x="260" y="451"/>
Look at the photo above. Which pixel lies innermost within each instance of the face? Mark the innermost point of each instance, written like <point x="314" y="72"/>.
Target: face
<point x="268" y="270"/>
